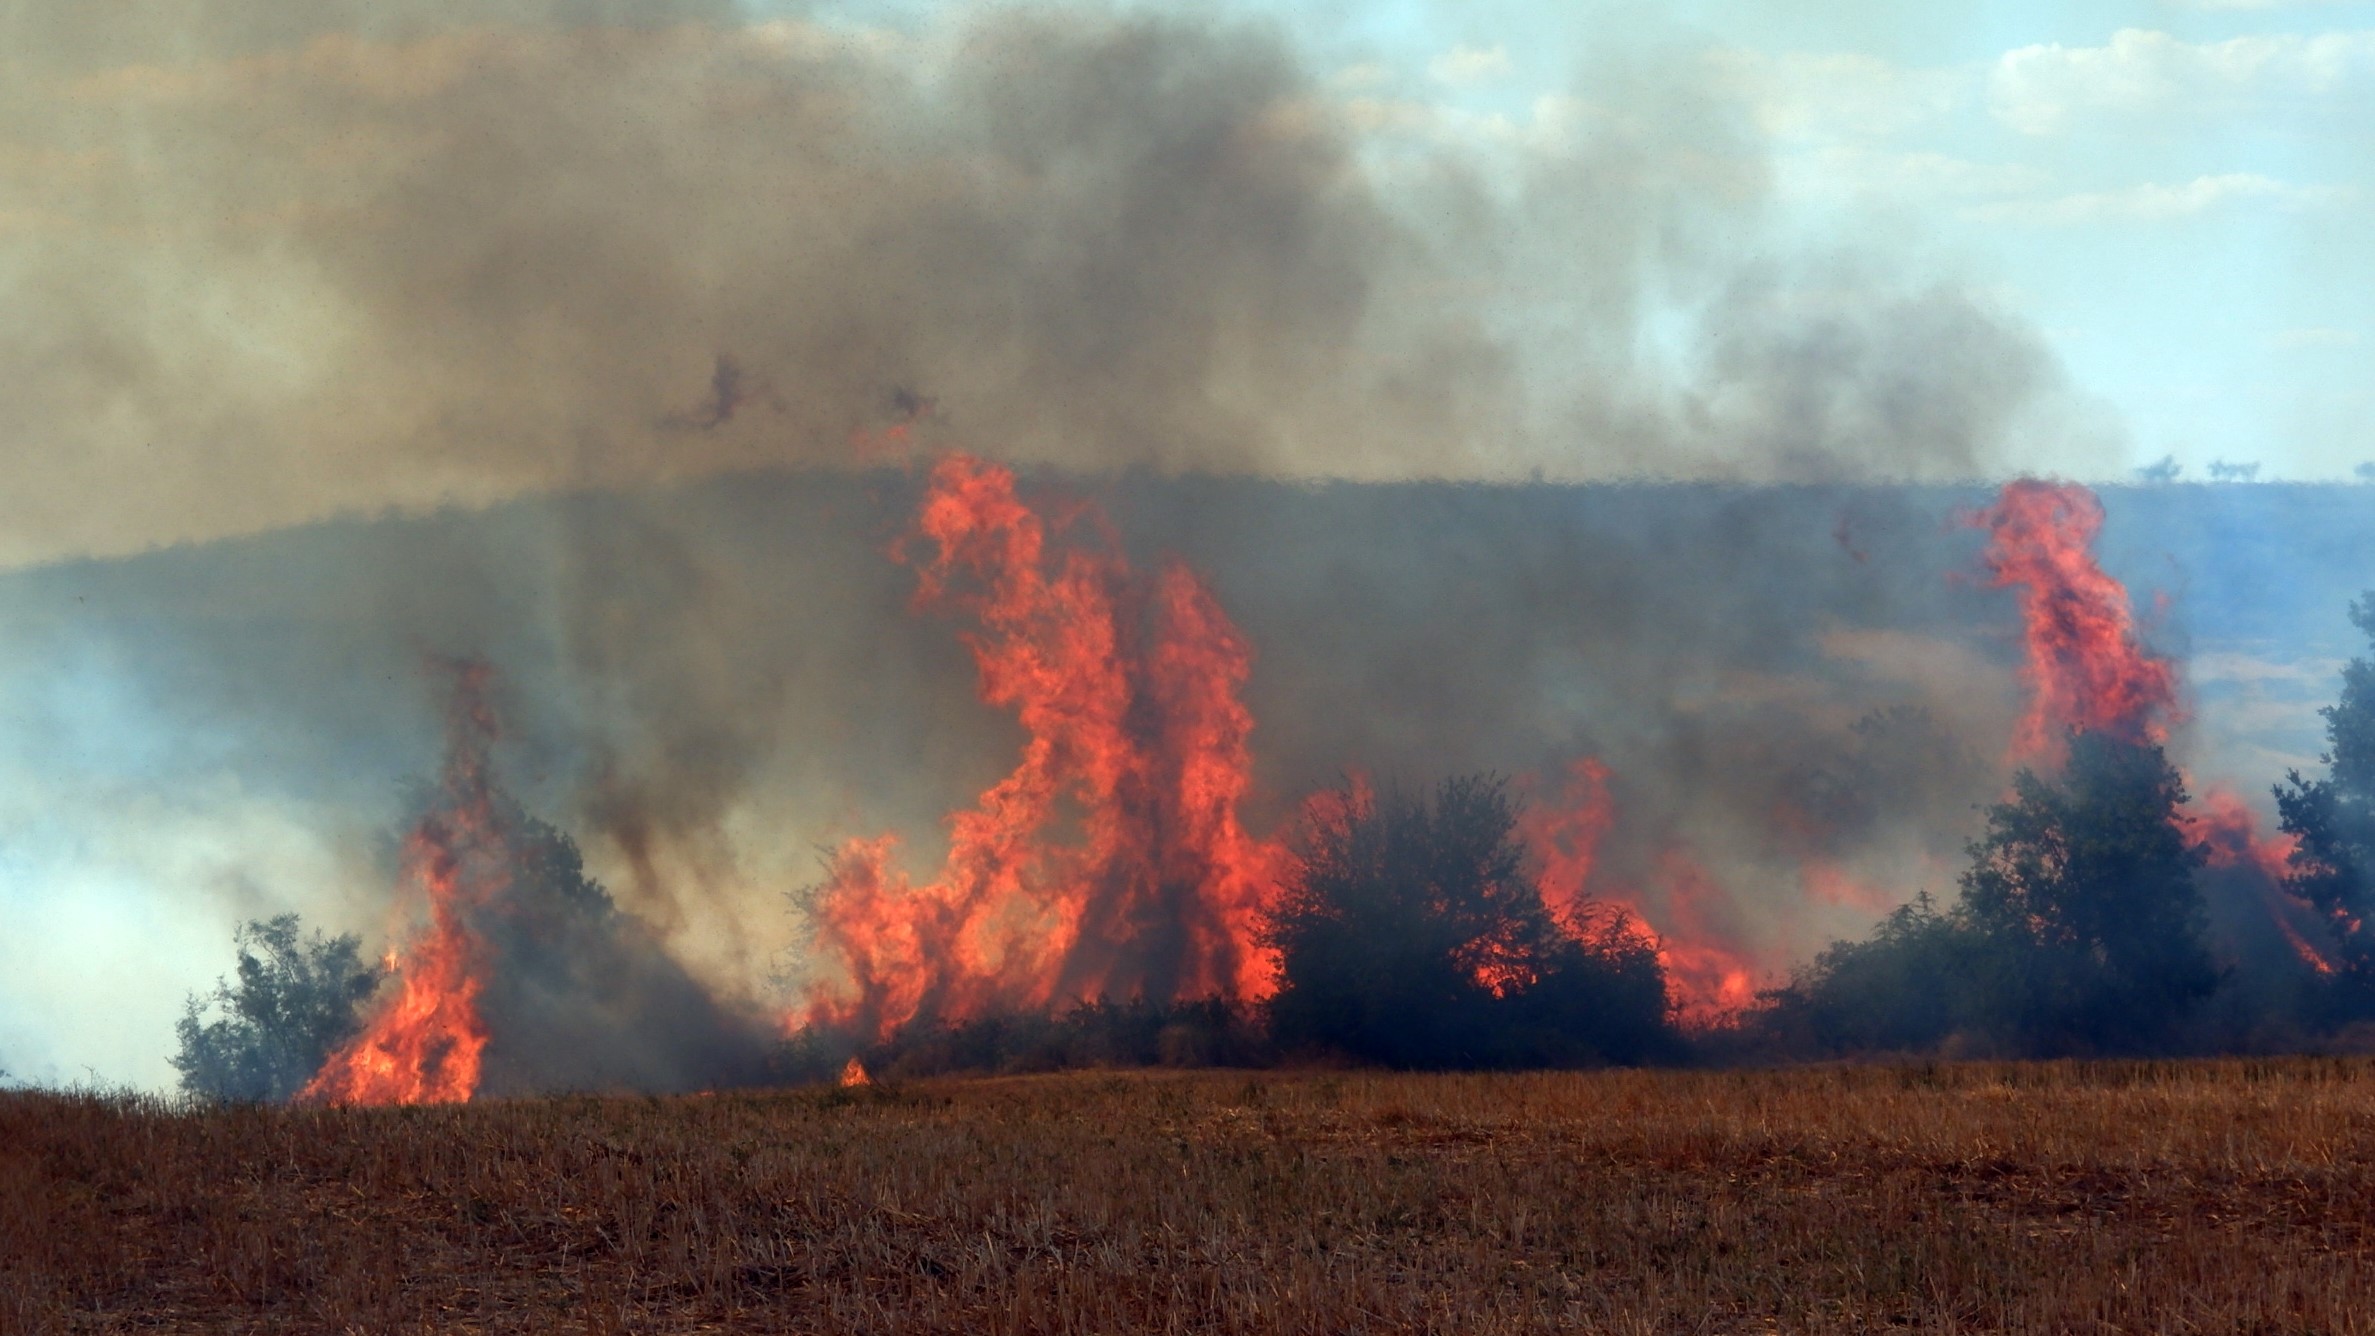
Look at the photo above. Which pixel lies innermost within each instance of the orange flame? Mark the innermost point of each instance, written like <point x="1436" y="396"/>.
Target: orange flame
<point x="1709" y="980"/>
<point x="2086" y="668"/>
<point x="853" y="1073"/>
<point x="1127" y="689"/>
<point x="423" y="1045"/>
<point x="2231" y="830"/>
<point x="1564" y="836"/>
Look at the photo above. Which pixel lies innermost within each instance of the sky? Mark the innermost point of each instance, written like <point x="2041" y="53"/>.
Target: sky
<point x="2178" y="195"/>
<point x="2176" y="192"/>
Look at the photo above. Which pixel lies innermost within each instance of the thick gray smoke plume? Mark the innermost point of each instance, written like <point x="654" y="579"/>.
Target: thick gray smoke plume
<point x="267" y="264"/>
<point x="608" y="303"/>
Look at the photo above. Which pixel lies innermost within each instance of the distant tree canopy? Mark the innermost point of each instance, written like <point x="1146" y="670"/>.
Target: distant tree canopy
<point x="1410" y="933"/>
<point x="2333" y="865"/>
<point x="2079" y="929"/>
<point x="298" y="997"/>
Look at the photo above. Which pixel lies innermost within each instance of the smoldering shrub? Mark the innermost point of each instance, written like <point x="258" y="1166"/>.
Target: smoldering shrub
<point x="2332" y="818"/>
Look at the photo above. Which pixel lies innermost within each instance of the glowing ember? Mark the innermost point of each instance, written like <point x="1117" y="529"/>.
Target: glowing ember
<point x="2086" y="668"/>
<point x="423" y="1045"/>
<point x="853" y="1073"/>
<point x="1127" y="689"/>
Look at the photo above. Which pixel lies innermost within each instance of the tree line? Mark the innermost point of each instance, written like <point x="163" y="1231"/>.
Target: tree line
<point x="1411" y="932"/>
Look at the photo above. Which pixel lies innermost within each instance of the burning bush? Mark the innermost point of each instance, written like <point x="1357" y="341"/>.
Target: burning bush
<point x="1410" y="933"/>
<point x="2087" y="887"/>
<point x="299" y="997"/>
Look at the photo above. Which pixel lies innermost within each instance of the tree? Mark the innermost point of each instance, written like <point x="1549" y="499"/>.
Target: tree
<point x="2083" y="894"/>
<point x="2333" y="820"/>
<point x="2079" y="929"/>
<point x="297" y="999"/>
<point x="1410" y="933"/>
<point x="1903" y="989"/>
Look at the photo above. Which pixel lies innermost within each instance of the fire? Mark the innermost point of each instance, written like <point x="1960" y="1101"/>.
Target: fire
<point x="1710" y="981"/>
<point x="2231" y="830"/>
<point x="1826" y="882"/>
<point x="1127" y="689"/>
<point x="423" y="1045"/>
<point x="1564" y="836"/>
<point x="2086" y="669"/>
<point x="853" y="1073"/>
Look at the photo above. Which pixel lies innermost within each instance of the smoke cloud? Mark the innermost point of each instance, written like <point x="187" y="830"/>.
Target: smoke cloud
<point x="581" y="339"/>
<point x="269" y="267"/>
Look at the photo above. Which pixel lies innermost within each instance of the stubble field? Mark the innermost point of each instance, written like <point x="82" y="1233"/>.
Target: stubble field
<point x="2220" y="1196"/>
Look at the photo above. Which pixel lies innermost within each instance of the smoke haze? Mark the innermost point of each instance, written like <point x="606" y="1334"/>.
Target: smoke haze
<point x="581" y="338"/>
<point x="747" y="684"/>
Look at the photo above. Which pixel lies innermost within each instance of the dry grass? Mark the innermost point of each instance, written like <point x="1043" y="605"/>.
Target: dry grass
<point x="2227" y="1196"/>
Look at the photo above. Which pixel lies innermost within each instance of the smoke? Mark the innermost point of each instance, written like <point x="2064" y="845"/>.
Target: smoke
<point x="556" y="334"/>
<point x="524" y="978"/>
<point x="745" y="684"/>
<point x="270" y="267"/>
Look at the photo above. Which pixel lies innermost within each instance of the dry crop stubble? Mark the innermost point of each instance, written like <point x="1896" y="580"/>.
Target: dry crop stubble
<point x="2231" y="1195"/>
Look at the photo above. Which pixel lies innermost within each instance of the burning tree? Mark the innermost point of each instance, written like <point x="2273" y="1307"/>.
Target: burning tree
<point x="1411" y="932"/>
<point x="2080" y="927"/>
<point x="422" y="1044"/>
<point x="299" y="998"/>
<point x="525" y="977"/>
<point x="2333" y="823"/>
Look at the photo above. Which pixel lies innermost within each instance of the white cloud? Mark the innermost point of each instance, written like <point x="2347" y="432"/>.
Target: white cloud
<point x="2038" y="90"/>
<point x="1837" y="96"/>
<point x="2151" y="201"/>
<point x="1906" y="178"/>
<point x="1463" y="66"/>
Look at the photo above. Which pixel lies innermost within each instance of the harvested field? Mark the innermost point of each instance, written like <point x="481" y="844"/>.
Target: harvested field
<point x="2222" y="1196"/>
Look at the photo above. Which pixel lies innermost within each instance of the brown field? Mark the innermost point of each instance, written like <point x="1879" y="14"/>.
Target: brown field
<point x="2214" y="1196"/>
